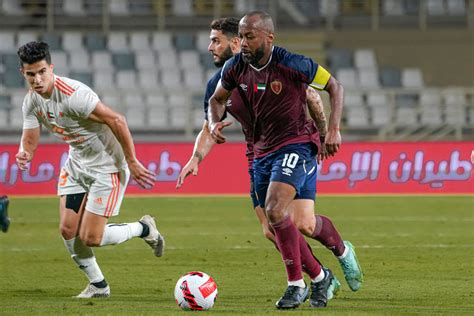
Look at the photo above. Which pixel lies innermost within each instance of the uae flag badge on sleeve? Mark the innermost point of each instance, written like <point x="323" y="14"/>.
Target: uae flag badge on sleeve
<point x="258" y="87"/>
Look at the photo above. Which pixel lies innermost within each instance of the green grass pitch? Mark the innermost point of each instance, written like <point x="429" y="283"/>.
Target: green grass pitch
<point x="417" y="254"/>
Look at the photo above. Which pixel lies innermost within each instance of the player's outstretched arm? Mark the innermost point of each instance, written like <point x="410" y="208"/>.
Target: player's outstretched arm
<point x="118" y="124"/>
<point x="316" y="111"/>
<point x="202" y="146"/>
<point x="28" y="145"/>
<point x="333" y="137"/>
<point x="216" y="110"/>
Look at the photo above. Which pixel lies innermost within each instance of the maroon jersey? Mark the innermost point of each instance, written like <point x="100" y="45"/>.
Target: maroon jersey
<point x="276" y="96"/>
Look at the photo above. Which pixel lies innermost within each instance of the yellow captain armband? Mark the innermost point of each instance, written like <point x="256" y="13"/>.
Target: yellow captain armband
<point x="321" y="78"/>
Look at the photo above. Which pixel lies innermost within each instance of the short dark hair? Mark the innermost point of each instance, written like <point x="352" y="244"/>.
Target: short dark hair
<point x="33" y="52"/>
<point x="228" y="26"/>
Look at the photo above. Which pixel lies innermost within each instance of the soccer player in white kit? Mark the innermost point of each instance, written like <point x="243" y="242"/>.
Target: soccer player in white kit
<point x="101" y="158"/>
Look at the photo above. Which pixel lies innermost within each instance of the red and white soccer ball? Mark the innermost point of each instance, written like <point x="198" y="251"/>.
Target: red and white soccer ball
<point x="195" y="291"/>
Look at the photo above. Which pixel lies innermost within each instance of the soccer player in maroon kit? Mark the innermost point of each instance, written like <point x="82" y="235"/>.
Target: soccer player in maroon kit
<point x="272" y="82"/>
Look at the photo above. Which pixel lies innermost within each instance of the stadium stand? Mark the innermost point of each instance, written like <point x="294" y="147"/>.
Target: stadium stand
<point x="392" y="77"/>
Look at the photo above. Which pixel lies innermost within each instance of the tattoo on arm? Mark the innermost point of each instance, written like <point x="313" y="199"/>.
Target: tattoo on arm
<point x="199" y="156"/>
<point x="321" y="123"/>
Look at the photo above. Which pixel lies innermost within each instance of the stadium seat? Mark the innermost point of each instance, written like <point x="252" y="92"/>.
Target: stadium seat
<point x="118" y="7"/>
<point x="393" y="7"/>
<point x="25" y="37"/>
<point x="381" y="116"/>
<point x="357" y="116"/>
<point x="202" y="41"/>
<point x="74" y="7"/>
<point x="158" y="117"/>
<point x="14" y="80"/>
<point x="104" y="80"/>
<point x="184" y="41"/>
<point x="72" y="41"/>
<point x="124" y="61"/>
<point x="171" y="79"/>
<point x="194" y="78"/>
<point x="198" y="118"/>
<point x="456" y="7"/>
<point x="406" y="116"/>
<point x="368" y="78"/>
<point x="93" y="7"/>
<point x="182" y="8"/>
<point x="117" y="42"/>
<point x="353" y="99"/>
<point x="102" y="61"/>
<point x="4" y="102"/>
<point x="126" y="79"/>
<point x="148" y="79"/>
<point x="16" y="117"/>
<point x="162" y="41"/>
<point x="4" y="117"/>
<point x="435" y="7"/>
<point x="454" y="110"/>
<point x="53" y="40"/>
<point x="17" y="98"/>
<point x="406" y="100"/>
<point x="84" y="77"/>
<point x="60" y="61"/>
<point x="179" y="117"/>
<point x="348" y="78"/>
<point x="470" y="116"/>
<point x="189" y="59"/>
<point x="339" y="58"/>
<point x="145" y="60"/>
<point x="168" y="60"/>
<point x="156" y="100"/>
<point x="8" y="42"/>
<point x="377" y="99"/>
<point x="113" y="100"/>
<point x="139" y="41"/>
<point x="412" y="78"/>
<point x="390" y="77"/>
<point x="95" y="42"/>
<point x="136" y="117"/>
<point x="12" y="7"/>
<point x="143" y="7"/>
<point x="207" y="61"/>
<point x="430" y="115"/>
<point x="365" y="58"/>
<point x="430" y="97"/>
<point x="330" y="7"/>
<point x="79" y="60"/>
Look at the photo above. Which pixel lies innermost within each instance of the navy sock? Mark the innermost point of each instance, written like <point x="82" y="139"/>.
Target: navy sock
<point x="102" y="284"/>
<point x="146" y="230"/>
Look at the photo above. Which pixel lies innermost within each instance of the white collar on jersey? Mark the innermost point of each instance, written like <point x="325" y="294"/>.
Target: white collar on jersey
<point x="268" y="62"/>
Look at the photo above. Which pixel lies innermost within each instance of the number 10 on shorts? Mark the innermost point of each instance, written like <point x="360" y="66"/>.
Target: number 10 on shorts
<point x="290" y="160"/>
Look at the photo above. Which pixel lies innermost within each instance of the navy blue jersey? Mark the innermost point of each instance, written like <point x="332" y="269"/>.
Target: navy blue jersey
<point x="277" y="95"/>
<point x="237" y="108"/>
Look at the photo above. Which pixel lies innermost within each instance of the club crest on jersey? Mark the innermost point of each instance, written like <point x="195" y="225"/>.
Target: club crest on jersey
<point x="276" y="86"/>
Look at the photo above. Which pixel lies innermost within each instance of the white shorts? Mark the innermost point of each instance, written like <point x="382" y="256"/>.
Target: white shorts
<point x="105" y="191"/>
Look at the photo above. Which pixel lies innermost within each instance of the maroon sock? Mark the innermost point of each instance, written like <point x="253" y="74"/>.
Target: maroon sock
<point x="326" y="233"/>
<point x="287" y="239"/>
<point x="310" y="264"/>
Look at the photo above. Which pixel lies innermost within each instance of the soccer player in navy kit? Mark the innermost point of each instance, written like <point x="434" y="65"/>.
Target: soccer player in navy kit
<point x="272" y="81"/>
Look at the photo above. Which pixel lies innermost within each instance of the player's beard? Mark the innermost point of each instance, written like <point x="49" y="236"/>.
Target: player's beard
<point x="227" y="54"/>
<point x="254" y="58"/>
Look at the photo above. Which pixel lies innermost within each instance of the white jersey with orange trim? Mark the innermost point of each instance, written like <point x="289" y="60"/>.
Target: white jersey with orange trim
<point x="91" y="144"/>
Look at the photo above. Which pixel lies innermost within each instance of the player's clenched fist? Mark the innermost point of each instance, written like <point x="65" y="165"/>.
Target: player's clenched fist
<point x="22" y="159"/>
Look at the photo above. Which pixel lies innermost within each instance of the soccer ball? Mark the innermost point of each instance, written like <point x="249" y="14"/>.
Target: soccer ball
<point x="195" y="291"/>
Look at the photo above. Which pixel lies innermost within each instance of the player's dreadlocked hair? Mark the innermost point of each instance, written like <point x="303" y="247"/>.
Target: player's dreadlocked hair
<point x="33" y="52"/>
<point x="228" y="26"/>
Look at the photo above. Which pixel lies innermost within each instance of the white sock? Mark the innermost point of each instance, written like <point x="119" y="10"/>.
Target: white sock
<point x="84" y="257"/>
<point x="118" y="233"/>
<point x="319" y="277"/>
<point x="299" y="283"/>
<point x="344" y="254"/>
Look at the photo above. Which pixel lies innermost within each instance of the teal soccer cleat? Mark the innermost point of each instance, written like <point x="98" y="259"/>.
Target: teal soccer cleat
<point x="351" y="268"/>
<point x="333" y="288"/>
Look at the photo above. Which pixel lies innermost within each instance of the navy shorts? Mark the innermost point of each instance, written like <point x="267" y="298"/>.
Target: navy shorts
<point x="253" y="195"/>
<point x="294" y="164"/>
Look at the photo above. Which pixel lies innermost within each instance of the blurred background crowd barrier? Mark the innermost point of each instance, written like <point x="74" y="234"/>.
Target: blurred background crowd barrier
<point x="406" y="65"/>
